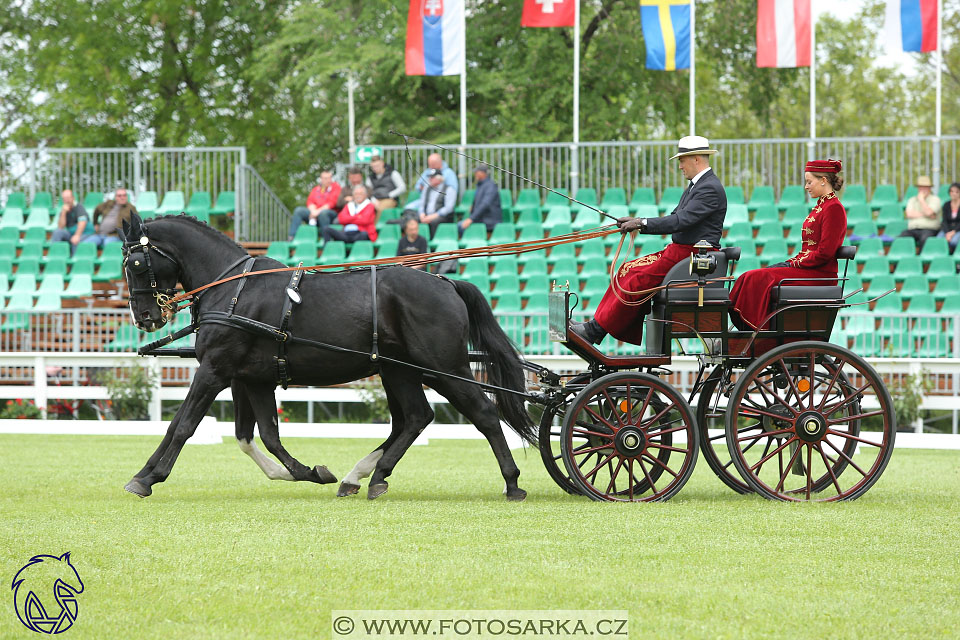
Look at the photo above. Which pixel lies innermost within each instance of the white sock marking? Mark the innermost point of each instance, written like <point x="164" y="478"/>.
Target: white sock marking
<point x="272" y="469"/>
<point x="364" y="468"/>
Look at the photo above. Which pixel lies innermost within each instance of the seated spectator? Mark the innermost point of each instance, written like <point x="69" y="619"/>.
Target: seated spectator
<point x="358" y="219"/>
<point x="73" y="222"/>
<point x="923" y="213"/>
<point x="436" y="206"/>
<point x="321" y="209"/>
<point x="354" y="178"/>
<point x="385" y="184"/>
<point x="108" y="217"/>
<point x="951" y="218"/>
<point x="411" y="242"/>
<point x="486" y="201"/>
<point x="434" y="163"/>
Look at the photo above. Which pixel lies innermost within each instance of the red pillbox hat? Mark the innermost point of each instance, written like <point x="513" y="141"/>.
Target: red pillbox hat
<point x="824" y="166"/>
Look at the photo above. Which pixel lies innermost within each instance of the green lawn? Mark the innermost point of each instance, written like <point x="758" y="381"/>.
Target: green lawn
<point x="220" y="551"/>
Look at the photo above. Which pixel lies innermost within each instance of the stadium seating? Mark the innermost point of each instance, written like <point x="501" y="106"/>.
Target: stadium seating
<point x="173" y="203"/>
<point x="555" y="198"/>
<point x="762" y="195"/>
<point x="92" y="200"/>
<point x="764" y="214"/>
<point x="473" y="236"/>
<point x="792" y="195"/>
<point x="884" y="195"/>
<point x="586" y="195"/>
<point x="734" y="195"/>
<point x="199" y="206"/>
<point x="146" y="204"/>
<point x="226" y="202"/>
<point x="669" y="199"/>
<point x="858" y="213"/>
<point x="736" y="213"/>
<point x="613" y="196"/>
<point x="641" y="196"/>
<point x="853" y="194"/>
<point x="558" y="215"/>
<point x="527" y="199"/>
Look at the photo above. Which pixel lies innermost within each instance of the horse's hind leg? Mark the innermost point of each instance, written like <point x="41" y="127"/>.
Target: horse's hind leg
<point x="206" y="385"/>
<point x="263" y="402"/>
<point x="351" y="482"/>
<point x="406" y="387"/>
<point x="476" y="407"/>
<point x="244" y="421"/>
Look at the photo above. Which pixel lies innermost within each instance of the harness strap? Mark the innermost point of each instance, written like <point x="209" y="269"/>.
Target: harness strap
<point x="374" y="349"/>
<point x="291" y="296"/>
<point x="242" y="281"/>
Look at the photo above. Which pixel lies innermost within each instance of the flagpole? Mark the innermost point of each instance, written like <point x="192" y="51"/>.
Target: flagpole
<point x="462" y="165"/>
<point x="939" y="132"/>
<point x="693" y="84"/>
<point x="574" y="149"/>
<point x="812" y="145"/>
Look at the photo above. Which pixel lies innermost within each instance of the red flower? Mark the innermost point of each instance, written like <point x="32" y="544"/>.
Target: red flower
<point x="286" y="419"/>
<point x="9" y="402"/>
<point x="279" y="411"/>
<point x="19" y="401"/>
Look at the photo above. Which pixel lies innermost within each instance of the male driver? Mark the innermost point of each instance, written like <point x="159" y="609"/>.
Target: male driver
<point x="698" y="216"/>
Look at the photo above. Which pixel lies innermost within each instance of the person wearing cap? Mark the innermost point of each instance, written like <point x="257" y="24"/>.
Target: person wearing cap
<point x="486" y="201"/>
<point x="321" y="209"/>
<point x="822" y="234"/>
<point x="436" y="205"/>
<point x="923" y="213"/>
<point x="698" y="216"/>
<point x="435" y="162"/>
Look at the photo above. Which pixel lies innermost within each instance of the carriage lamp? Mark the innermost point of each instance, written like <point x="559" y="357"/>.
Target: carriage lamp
<point x="702" y="264"/>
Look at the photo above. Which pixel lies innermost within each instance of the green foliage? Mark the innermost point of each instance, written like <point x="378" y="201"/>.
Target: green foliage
<point x="20" y="409"/>
<point x="376" y="400"/>
<point x="130" y="392"/>
<point x="908" y="395"/>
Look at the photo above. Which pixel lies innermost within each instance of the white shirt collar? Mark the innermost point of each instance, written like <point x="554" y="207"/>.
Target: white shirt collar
<point x="358" y="207"/>
<point x="699" y="175"/>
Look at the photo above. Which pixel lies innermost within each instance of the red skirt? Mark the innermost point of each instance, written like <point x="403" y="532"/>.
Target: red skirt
<point x="623" y="321"/>
<point x="750" y="296"/>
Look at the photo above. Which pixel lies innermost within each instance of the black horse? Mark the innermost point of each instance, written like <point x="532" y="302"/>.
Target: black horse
<point x="421" y="320"/>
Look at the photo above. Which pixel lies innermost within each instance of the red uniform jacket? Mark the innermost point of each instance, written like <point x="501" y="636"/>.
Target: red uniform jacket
<point x="822" y="234"/>
<point x="364" y="215"/>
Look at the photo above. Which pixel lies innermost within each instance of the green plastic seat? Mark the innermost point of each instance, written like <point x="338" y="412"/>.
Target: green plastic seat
<point x="534" y="266"/>
<point x="474" y="236"/>
<point x="506" y="204"/>
<point x="591" y="249"/>
<point x="947" y="288"/>
<point x="308" y="233"/>
<point x="923" y="302"/>
<point x="762" y="195"/>
<point x="852" y="283"/>
<point x="16" y="200"/>
<point x="901" y="247"/>
<point x="81" y="286"/>
<point x="736" y="213"/>
<point x="23" y="282"/>
<point x="465" y="203"/>
<point x="881" y="283"/>
<point x="304" y="251"/>
<point x="594" y="285"/>
<point x="146" y="204"/>
<point x="82" y="267"/>
<point x="538" y="302"/>
<point x="535" y="286"/>
<point x="42" y="200"/>
<point x="893" y="229"/>
<point x="734" y="195"/>
<point x="505" y="233"/>
<point x="507" y="301"/>
<point x="35" y="235"/>
<point x="646" y="211"/>
<point x="55" y="265"/>
<point x="504" y="266"/>
<point x="641" y="196"/>
<point x="858" y="213"/>
<point x="875" y="266"/>
<point x="652" y="244"/>
<point x="226" y="203"/>
<point x="279" y="250"/>
<point x="10" y="236"/>
<point x="446" y="231"/>
<point x="530" y="231"/>
<point x="908" y="266"/>
<point x="506" y="283"/>
<point x="740" y="231"/>
<point x="914" y="285"/>
<point x="941" y="267"/>
<point x="39" y="218"/>
<point x="560" y="253"/>
<point x="586" y="195"/>
<point x="889" y="212"/>
<point x="527" y="199"/>
<point x="479" y="265"/>
<point x="795" y="215"/>
<point x="747" y="247"/>
<point x="17" y="321"/>
<point x="853" y="194"/>
<point x="868" y="247"/>
<point x="173" y="203"/>
<point x="613" y="196"/>
<point x="934" y="248"/>
<point x="884" y="194"/>
<point x="480" y="281"/>
<point x="58" y="251"/>
<point x="863" y="229"/>
<point x="127" y="338"/>
<point x="765" y="214"/>
<point x="92" y="200"/>
<point x="890" y="303"/>
<point x="774" y="251"/>
<point x="361" y="250"/>
<point x="110" y="269"/>
<point x="334" y="252"/>
<point x="85" y="251"/>
<point x="669" y="199"/>
<point x="792" y="195"/>
<point x="12" y="217"/>
<point x="769" y="232"/>
<point x="32" y="251"/>
<point x="558" y="215"/>
<point x="48" y="301"/>
<point x="594" y="266"/>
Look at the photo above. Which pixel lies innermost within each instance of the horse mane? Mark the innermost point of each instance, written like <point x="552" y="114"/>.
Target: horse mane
<point x="203" y="226"/>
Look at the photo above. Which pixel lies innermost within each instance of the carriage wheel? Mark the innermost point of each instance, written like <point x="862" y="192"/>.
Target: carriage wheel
<point x="549" y="436"/>
<point x="810" y="421"/>
<point x="629" y="437"/>
<point x="711" y="414"/>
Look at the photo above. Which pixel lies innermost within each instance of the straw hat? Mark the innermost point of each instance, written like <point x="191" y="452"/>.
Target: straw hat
<point x="924" y="181"/>
<point x="694" y="146"/>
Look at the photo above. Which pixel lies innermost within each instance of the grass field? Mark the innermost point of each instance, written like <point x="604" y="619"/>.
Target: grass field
<point x="219" y="551"/>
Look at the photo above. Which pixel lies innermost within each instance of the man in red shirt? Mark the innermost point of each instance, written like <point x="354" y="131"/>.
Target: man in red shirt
<point x="321" y="209"/>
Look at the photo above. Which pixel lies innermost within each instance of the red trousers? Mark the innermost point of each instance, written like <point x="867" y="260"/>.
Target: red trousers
<point x="750" y="296"/>
<point x="625" y="322"/>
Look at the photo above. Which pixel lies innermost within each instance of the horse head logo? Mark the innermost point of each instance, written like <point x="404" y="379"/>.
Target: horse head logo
<point x="40" y="587"/>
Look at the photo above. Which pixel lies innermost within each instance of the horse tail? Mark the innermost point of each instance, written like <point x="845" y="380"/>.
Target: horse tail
<point x="503" y="366"/>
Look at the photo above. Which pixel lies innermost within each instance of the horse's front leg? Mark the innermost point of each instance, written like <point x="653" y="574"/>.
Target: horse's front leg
<point x="203" y="391"/>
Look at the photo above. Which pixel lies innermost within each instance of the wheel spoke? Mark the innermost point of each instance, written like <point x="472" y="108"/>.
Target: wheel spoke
<point x="630" y="477"/>
<point x="660" y="462"/>
<point x="850" y="436"/>
<point x="793" y="385"/>
<point x="654" y="434"/>
<point x="775" y="451"/>
<point x="765" y="433"/>
<point x="647" y="475"/>
<point x="592" y="449"/>
<point x="786" y="470"/>
<point x="833" y="381"/>
<point x="850" y="398"/>
<point x="657" y="417"/>
<point x="596" y="469"/>
<point x="599" y="417"/>
<point x="869" y="414"/>
<point x="763" y="412"/>
<point x="833" y="477"/>
<point x="613" y="477"/>
<point x="666" y="448"/>
<point x="614" y="405"/>
<point x="809" y="469"/>
<point x="585" y="432"/>
<point x="847" y="458"/>
<point x="777" y="396"/>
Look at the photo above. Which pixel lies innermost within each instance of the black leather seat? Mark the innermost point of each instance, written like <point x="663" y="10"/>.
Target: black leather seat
<point x="805" y="294"/>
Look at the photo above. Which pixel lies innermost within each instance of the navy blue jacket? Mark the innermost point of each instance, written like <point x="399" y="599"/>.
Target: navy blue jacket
<point x="486" y="204"/>
<point x="699" y="214"/>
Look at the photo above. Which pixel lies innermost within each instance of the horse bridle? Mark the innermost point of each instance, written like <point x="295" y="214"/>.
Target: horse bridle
<point x="138" y="266"/>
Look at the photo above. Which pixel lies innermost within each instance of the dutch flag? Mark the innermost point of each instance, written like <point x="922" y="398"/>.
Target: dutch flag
<point x="435" y="38"/>
<point x="911" y="25"/>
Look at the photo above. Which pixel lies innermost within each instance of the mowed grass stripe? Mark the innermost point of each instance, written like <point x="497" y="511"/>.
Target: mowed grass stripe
<point x="220" y="551"/>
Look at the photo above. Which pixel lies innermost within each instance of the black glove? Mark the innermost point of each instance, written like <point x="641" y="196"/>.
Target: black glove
<point x="779" y="264"/>
<point x="628" y="224"/>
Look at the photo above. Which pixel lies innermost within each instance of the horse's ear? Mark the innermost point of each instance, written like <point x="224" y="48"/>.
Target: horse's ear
<point x="65" y="557"/>
<point x="123" y="231"/>
<point x="133" y="229"/>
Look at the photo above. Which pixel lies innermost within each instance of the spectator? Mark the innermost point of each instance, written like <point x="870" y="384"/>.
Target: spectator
<point x="951" y="218"/>
<point x="486" y="201"/>
<point x="108" y="217"/>
<point x="321" y="209"/>
<point x="923" y="213"/>
<point x="436" y="206"/>
<point x="434" y="163"/>
<point x="385" y="184"/>
<point x="354" y="178"/>
<point x="411" y="242"/>
<point x="73" y="222"/>
<point x="358" y="219"/>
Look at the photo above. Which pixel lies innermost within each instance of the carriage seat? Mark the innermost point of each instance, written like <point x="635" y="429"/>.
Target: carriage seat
<point x="789" y="294"/>
<point x="680" y="272"/>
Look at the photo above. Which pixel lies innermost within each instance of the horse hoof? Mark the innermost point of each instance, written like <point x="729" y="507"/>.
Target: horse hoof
<point x="347" y="489"/>
<point x="323" y="475"/>
<point x="374" y="491"/>
<point x="517" y="495"/>
<point x="137" y="488"/>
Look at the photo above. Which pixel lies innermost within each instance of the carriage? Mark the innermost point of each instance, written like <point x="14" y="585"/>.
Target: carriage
<point x="781" y="412"/>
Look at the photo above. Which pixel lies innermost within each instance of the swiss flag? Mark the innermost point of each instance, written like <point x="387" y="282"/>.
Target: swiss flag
<point x="548" y="13"/>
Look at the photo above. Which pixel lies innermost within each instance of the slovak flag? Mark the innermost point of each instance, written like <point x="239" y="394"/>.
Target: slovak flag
<point x="783" y="33"/>
<point x="435" y="38"/>
<point x="549" y="13"/>
<point x="911" y="25"/>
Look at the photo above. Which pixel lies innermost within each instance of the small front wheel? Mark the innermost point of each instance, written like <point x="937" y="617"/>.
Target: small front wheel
<point x="629" y="437"/>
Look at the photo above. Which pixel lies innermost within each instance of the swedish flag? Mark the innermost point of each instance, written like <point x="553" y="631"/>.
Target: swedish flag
<point x="666" y="32"/>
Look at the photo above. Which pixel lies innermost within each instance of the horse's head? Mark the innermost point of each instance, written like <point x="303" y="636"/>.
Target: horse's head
<point x="151" y="275"/>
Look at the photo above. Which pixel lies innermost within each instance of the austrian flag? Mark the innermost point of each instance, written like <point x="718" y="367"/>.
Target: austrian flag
<point x="783" y="33"/>
<point x="549" y="13"/>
